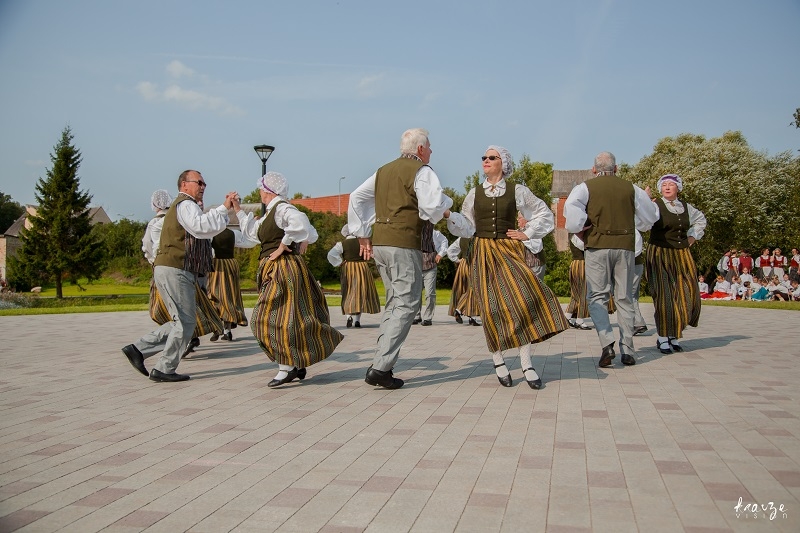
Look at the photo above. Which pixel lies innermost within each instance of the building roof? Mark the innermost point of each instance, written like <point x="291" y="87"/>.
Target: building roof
<point x="565" y="180"/>
<point x="97" y="215"/>
<point x="336" y="204"/>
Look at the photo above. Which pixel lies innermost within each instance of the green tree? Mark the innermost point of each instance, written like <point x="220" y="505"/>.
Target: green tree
<point x="750" y="199"/>
<point x="796" y="116"/>
<point x="60" y="244"/>
<point x="122" y="241"/>
<point x="10" y="211"/>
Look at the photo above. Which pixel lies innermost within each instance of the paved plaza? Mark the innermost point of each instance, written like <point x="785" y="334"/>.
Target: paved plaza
<point x="670" y="444"/>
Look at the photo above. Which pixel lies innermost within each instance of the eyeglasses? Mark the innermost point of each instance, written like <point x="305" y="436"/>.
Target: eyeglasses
<point x="490" y="157"/>
<point x="199" y="182"/>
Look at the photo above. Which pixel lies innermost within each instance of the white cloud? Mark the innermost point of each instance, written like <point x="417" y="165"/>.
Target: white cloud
<point x="147" y="90"/>
<point x="369" y="86"/>
<point x="176" y="69"/>
<point x="190" y="98"/>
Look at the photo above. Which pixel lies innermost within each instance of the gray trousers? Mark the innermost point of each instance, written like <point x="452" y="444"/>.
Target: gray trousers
<point x="638" y="320"/>
<point x="429" y="284"/>
<point x="401" y="272"/>
<point x="176" y="287"/>
<point x="610" y="270"/>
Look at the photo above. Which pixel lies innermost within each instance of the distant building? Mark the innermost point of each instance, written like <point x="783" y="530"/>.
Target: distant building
<point x="563" y="183"/>
<point x="10" y="242"/>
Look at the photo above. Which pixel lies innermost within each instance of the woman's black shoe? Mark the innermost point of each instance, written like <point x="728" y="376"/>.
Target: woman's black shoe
<point x="506" y="381"/>
<point x="458" y="317"/>
<point x="536" y="383"/>
<point x="301" y="374"/>
<point x="673" y="342"/>
<point x="289" y="377"/>
<point x="665" y="347"/>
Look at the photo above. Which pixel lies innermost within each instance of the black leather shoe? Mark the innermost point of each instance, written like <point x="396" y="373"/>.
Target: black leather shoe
<point x="214" y="336"/>
<point x="227" y="336"/>
<point x="458" y="318"/>
<point x="135" y="358"/>
<point x="506" y="381"/>
<point x="301" y="374"/>
<point x="427" y="323"/>
<point x="357" y="324"/>
<point x="384" y="379"/>
<point x="639" y="330"/>
<point x="664" y="347"/>
<point x="535" y="384"/>
<point x="473" y="322"/>
<point x="156" y="375"/>
<point x="190" y="347"/>
<point x="583" y="325"/>
<point x="293" y="373"/>
<point x="349" y="322"/>
<point x="675" y="346"/>
<point x="628" y="359"/>
<point x="416" y="321"/>
<point x="607" y="357"/>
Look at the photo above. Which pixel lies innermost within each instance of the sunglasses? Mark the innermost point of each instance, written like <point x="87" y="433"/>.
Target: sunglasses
<point x="490" y="157"/>
<point x="199" y="182"/>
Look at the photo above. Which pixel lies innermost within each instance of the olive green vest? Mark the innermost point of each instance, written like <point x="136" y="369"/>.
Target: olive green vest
<point x="495" y="216"/>
<point x="611" y="210"/>
<point x="397" y="221"/>
<point x="271" y="235"/>
<point x="670" y="231"/>
<point x="223" y="244"/>
<point x="180" y="249"/>
<point x="351" y="250"/>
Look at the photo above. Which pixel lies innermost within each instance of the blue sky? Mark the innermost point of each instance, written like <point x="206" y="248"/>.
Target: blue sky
<point x="151" y="88"/>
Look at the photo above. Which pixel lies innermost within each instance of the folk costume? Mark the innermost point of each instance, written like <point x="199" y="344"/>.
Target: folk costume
<point x="224" y="289"/>
<point x="578" y="307"/>
<point x="462" y="298"/>
<point x="359" y="294"/>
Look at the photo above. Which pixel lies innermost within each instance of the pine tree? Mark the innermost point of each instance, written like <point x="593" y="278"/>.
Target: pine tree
<point x="60" y="244"/>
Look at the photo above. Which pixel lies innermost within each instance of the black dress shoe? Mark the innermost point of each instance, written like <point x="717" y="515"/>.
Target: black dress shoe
<point x="416" y="321"/>
<point x="675" y="346"/>
<point x="293" y="373"/>
<point x="607" y="357"/>
<point x="506" y="381"/>
<point x="357" y="324"/>
<point x="583" y="325"/>
<point x="214" y="336"/>
<point x="135" y="358"/>
<point x="536" y="383"/>
<point x="190" y="347"/>
<point x="639" y="330"/>
<point x="349" y="322"/>
<point x="227" y="336"/>
<point x="628" y="359"/>
<point x="664" y="347"/>
<point x="384" y="379"/>
<point x="458" y="318"/>
<point x="427" y="323"/>
<point x="473" y="322"/>
<point x="156" y="375"/>
<point x="301" y="374"/>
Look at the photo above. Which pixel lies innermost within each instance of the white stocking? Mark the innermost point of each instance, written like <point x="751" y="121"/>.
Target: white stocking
<point x="502" y="371"/>
<point x="283" y="371"/>
<point x="525" y="362"/>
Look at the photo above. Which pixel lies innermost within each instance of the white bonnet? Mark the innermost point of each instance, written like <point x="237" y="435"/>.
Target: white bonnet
<point x="670" y="177"/>
<point x="274" y="182"/>
<point x="160" y="200"/>
<point x="505" y="157"/>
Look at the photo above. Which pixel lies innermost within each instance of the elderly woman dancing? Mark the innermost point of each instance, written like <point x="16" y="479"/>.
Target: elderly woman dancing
<point x="517" y="309"/>
<point x="290" y="320"/>
<point x="671" y="272"/>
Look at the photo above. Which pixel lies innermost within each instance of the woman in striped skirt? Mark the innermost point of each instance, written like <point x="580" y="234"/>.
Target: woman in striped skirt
<point x="462" y="299"/>
<point x="224" y="289"/>
<point x="517" y="309"/>
<point x="359" y="294"/>
<point x="671" y="272"/>
<point x="290" y="320"/>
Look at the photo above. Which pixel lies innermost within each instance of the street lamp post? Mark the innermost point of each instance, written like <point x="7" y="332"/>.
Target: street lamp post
<point x="339" y="198"/>
<point x="263" y="151"/>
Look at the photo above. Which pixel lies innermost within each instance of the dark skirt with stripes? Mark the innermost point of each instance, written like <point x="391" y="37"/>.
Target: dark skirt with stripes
<point x="290" y="320"/>
<point x="462" y="297"/>
<point x="225" y="292"/>
<point x="578" y="304"/>
<point x="672" y="278"/>
<point x="516" y="307"/>
<point x="359" y="294"/>
<point x="207" y="319"/>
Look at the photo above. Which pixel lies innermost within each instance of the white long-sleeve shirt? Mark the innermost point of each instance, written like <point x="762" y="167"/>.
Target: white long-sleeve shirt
<point x="335" y="254"/>
<point x="199" y="224"/>
<point x="539" y="216"/>
<point x="152" y="237"/>
<point x="431" y="201"/>
<point x="645" y="215"/>
<point x="440" y="243"/>
<point x="291" y="220"/>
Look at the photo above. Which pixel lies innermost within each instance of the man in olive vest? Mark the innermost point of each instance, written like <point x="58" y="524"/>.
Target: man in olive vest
<point x="391" y="206"/>
<point x="605" y="213"/>
<point x="184" y="250"/>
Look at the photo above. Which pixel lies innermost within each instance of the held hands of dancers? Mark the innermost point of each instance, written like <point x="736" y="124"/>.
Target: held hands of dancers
<point x="233" y="201"/>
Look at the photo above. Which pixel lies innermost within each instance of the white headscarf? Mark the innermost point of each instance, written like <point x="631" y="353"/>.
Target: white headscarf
<point x="160" y="200"/>
<point x="670" y="177"/>
<point x="275" y="183"/>
<point x="505" y="158"/>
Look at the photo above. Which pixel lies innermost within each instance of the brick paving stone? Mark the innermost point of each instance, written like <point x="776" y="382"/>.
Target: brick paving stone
<point x="672" y="443"/>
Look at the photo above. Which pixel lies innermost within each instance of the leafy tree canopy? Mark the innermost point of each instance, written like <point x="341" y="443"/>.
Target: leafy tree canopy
<point x="10" y="211"/>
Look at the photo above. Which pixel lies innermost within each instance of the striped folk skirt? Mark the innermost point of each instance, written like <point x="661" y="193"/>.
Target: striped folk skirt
<point x="516" y="307"/>
<point x="359" y="294"/>
<point x="225" y="292"/>
<point x="578" y="303"/>
<point x="207" y="319"/>
<point x="290" y="320"/>
<point x="672" y="278"/>
<point x="462" y="297"/>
